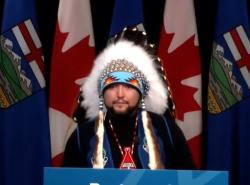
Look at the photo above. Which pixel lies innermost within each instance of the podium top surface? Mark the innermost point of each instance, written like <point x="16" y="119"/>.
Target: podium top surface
<point x="87" y="176"/>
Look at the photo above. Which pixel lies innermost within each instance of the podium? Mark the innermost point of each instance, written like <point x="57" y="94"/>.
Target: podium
<point x="86" y="176"/>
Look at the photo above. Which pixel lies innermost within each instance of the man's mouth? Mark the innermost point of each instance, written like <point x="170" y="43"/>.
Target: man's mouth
<point x="120" y="102"/>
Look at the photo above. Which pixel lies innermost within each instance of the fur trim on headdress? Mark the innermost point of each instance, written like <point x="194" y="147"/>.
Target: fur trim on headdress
<point x="156" y="98"/>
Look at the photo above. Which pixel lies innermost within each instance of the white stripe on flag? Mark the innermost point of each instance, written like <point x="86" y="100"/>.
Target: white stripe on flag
<point x="192" y="125"/>
<point x="228" y="38"/>
<point x="61" y="127"/>
<point x="244" y="38"/>
<point x="33" y="33"/>
<point x="20" y="40"/>
<point x="246" y="75"/>
<point x="38" y="73"/>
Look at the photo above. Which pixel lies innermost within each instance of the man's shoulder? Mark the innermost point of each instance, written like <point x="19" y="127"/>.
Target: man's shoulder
<point x="163" y="121"/>
<point x="86" y="125"/>
<point x="166" y="117"/>
<point x="156" y="117"/>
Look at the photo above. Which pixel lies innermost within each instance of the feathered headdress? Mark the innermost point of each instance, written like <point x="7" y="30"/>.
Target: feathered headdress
<point x="125" y="61"/>
<point x="124" y="55"/>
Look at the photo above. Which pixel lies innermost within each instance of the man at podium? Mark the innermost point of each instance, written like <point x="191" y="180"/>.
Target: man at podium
<point x="128" y="126"/>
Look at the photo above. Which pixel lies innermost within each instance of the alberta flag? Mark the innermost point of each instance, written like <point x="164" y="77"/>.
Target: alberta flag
<point x="24" y="128"/>
<point x="228" y="145"/>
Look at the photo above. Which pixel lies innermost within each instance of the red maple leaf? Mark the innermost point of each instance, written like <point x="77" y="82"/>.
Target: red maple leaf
<point x="181" y="64"/>
<point x="67" y="67"/>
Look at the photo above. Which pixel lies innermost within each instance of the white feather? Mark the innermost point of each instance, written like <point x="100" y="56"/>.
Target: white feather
<point x="155" y="101"/>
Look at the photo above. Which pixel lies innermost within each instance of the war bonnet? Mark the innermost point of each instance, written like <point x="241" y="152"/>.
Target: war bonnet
<point x="125" y="62"/>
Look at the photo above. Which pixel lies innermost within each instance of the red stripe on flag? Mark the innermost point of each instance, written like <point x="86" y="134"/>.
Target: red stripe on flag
<point x="57" y="160"/>
<point x="195" y="147"/>
<point x="35" y="53"/>
<point x="245" y="57"/>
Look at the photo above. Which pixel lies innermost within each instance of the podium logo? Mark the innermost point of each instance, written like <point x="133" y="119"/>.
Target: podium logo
<point x="205" y="177"/>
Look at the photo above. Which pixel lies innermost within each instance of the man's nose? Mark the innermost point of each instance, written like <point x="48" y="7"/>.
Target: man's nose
<point x="120" y="90"/>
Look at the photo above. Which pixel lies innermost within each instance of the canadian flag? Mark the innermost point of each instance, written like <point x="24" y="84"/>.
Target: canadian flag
<point x="179" y="51"/>
<point x="72" y="58"/>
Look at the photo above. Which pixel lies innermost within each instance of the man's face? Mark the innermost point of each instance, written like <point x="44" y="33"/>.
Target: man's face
<point x="121" y="98"/>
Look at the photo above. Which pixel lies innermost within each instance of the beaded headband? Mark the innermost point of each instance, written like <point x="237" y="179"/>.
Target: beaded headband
<point x="122" y="71"/>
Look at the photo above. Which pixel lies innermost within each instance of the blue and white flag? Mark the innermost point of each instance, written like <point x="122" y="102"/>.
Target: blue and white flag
<point x="228" y="126"/>
<point x="24" y="127"/>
